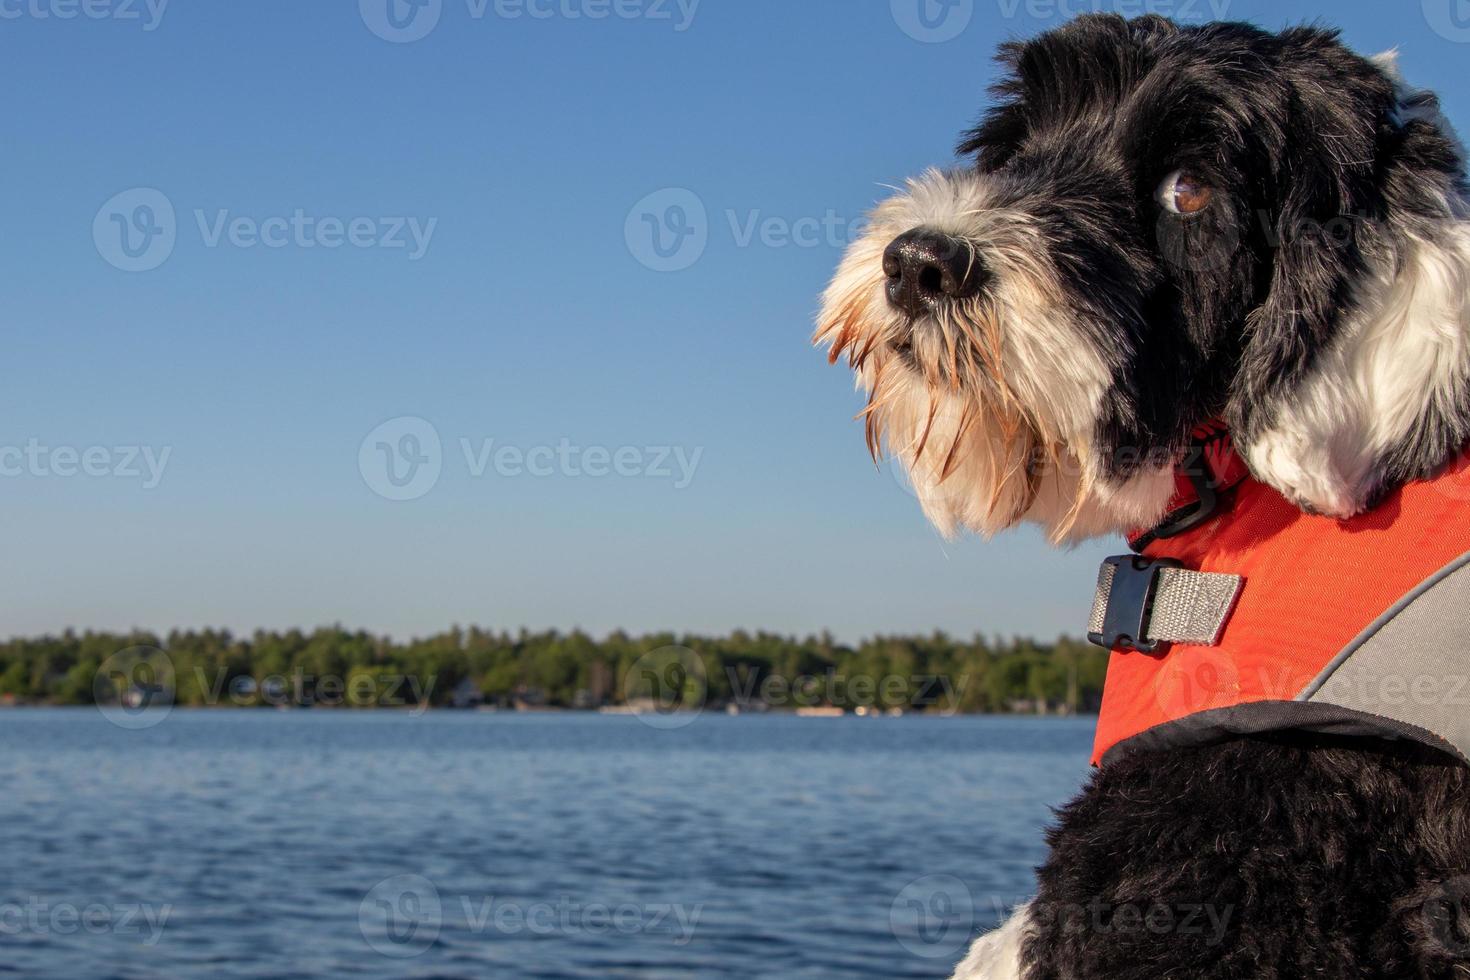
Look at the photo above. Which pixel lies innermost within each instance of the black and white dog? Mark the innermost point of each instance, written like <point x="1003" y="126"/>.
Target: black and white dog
<point x="1159" y="226"/>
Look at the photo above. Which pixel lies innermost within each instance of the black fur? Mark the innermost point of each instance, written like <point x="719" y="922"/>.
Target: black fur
<point x="1219" y="314"/>
<point x="1321" y="859"/>
<point x="1335" y="860"/>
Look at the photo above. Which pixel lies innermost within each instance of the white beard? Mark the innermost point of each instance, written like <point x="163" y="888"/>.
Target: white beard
<point x="995" y="418"/>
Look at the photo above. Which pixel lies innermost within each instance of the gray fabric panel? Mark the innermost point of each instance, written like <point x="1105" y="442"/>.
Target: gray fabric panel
<point x="1189" y="607"/>
<point x="1382" y="621"/>
<point x="1413" y="665"/>
<point x="1268" y="717"/>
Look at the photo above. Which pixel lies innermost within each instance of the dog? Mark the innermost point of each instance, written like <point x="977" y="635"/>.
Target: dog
<point x="1158" y="228"/>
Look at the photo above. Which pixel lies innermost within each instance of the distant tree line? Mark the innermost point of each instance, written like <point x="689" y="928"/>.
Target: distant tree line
<point x="548" y="670"/>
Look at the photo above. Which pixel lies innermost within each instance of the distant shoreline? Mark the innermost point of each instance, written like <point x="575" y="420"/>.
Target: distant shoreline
<point x="475" y="668"/>
<point x="24" y="707"/>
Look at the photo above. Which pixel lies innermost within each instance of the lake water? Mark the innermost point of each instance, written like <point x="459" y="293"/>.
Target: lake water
<point x="319" y="844"/>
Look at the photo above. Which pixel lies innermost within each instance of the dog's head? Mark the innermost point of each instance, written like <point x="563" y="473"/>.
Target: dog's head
<point x="1158" y="226"/>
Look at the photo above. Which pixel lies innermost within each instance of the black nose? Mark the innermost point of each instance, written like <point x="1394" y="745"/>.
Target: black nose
<point x="927" y="268"/>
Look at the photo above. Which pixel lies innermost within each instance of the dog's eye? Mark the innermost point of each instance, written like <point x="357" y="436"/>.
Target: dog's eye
<point x="1183" y="193"/>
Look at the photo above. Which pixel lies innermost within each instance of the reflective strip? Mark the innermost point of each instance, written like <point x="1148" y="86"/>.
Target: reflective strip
<point x="1412" y="665"/>
<point x="1188" y="607"/>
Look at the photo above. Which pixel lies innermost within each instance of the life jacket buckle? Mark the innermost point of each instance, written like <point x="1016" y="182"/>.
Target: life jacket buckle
<point x="1130" y="604"/>
<point x="1206" y="504"/>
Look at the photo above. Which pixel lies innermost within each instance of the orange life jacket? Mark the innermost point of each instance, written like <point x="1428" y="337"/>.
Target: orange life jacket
<point x="1358" y="626"/>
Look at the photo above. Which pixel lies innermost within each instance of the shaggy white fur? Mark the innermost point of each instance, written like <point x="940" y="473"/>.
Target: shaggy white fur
<point x="1406" y="350"/>
<point x="992" y="407"/>
<point x="997" y="956"/>
<point x="994" y="412"/>
<point x="992" y="403"/>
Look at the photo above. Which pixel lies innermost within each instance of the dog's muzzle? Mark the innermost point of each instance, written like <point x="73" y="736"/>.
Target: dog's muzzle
<point x="927" y="269"/>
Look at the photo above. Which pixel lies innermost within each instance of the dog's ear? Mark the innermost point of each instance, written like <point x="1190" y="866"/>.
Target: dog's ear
<point x="1048" y="67"/>
<point x="1355" y="369"/>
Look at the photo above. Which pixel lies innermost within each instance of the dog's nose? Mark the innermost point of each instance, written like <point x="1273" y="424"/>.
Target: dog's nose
<point x="926" y="268"/>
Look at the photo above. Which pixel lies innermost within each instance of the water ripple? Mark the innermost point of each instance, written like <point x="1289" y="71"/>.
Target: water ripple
<point x="260" y="844"/>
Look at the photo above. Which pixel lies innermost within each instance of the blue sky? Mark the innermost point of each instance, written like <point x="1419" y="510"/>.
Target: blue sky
<point x="454" y="229"/>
